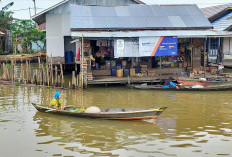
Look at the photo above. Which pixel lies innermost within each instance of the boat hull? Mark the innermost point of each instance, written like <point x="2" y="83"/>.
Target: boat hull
<point x="117" y="114"/>
<point x="219" y="87"/>
<point x="192" y="82"/>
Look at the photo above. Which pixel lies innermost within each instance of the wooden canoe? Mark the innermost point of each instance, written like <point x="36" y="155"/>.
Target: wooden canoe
<point x="111" y="113"/>
<point x="196" y="82"/>
<point x="218" y="87"/>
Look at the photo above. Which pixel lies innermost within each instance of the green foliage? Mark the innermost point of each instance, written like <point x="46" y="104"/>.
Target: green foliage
<point x="26" y="33"/>
<point x="5" y="17"/>
<point x="1" y="51"/>
<point x="8" y="66"/>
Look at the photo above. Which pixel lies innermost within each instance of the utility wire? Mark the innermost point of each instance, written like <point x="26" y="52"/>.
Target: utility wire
<point x="26" y="9"/>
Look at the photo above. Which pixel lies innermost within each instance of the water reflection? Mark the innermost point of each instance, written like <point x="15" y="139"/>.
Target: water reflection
<point x="95" y="134"/>
<point x="195" y="123"/>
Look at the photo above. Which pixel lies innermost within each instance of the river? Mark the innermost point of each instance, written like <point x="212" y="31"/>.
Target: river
<point x="195" y="124"/>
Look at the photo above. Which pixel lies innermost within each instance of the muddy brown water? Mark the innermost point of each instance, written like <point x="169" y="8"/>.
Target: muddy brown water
<point x="195" y="124"/>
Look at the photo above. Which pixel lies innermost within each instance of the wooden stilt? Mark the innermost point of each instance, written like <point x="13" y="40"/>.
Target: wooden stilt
<point x="56" y="79"/>
<point x="58" y="84"/>
<point x="51" y="72"/>
<point x="62" y="75"/>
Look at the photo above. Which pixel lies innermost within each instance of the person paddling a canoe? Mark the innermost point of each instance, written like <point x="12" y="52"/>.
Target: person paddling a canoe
<point x="55" y="103"/>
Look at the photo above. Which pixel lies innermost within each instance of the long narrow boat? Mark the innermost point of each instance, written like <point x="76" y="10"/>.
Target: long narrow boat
<point x="218" y="87"/>
<point x="111" y="113"/>
<point x="196" y="82"/>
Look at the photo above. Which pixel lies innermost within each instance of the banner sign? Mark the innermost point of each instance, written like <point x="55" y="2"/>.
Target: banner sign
<point x="126" y="48"/>
<point x="158" y="46"/>
<point x="120" y="47"/>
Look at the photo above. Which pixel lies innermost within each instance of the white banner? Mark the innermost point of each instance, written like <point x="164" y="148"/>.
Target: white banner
<point x="129" y="48"/>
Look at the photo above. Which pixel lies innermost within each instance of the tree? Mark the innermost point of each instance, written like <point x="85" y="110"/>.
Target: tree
<point x="25" y="33"/>
<point x="5" y="17"/>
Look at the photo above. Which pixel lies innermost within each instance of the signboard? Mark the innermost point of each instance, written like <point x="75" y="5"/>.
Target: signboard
<point x="131" y="48"/>
<point x="120" y="47"/>
<point x="158" y="46"/>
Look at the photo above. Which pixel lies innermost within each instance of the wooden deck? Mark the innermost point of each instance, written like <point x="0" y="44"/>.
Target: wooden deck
<point x="23" y="57"/>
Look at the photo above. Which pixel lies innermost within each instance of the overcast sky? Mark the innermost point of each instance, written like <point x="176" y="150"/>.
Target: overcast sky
<point x="21" y="7"/>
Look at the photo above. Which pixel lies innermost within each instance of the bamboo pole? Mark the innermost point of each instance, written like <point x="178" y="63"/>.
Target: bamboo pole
<point x="23" y="73"/>
<point x="52" y="83"/>
<point x="62" y="75"/>
<point x="36" y="77"/>
<point x="21" y="76"/>
<point x="11" y="72"/>
<point x="58" y="84"/>
<point x="73" y="80"/>
<point x="76" y="68"/>
<point x="47" y="68"/>
<point x="27" y="70"/>
<point x="56" y="80"/>
<point x="7" y="74"/>
<point x="43" y="75"/>
<point x="48" y="78"/>
<point x="39" y="62"/>
<point x="82" y="60"/>
<point x="77" y="80"/>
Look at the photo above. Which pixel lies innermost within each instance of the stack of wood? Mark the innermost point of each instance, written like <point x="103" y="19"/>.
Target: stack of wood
<point x="143" y="69"/>
<point x="87" y="47"/>
<point x="90" y="76"/>
<point x="151" y="72"/>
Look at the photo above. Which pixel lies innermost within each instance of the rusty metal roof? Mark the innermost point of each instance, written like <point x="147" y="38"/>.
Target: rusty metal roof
<point x="212" y="11"/>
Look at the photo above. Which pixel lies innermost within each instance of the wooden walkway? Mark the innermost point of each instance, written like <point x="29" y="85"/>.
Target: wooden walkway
<point x="23" y="57"/>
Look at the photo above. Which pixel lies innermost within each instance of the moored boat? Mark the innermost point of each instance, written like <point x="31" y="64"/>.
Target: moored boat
<point x="214" y="87"/>
<point x="196" y="82"/>
<point x="111" y="113"/>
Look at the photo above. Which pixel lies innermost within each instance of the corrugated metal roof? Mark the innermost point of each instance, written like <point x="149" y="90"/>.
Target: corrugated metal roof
<point x="137" y="17"/>
<point x="40" y="17"/>
<point x="178" y="33"/>
<point x="212" y="11"/>
<point x="224" y="22"/>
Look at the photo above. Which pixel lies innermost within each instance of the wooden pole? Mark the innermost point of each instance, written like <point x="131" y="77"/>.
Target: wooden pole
<point x="205" y="57"/>
<point x="62" y="75"/>
<point x="73" y="79"/>
<point x="39" y="62"/>
<point x="56" y="79"/>
<point x="29" y="71"/>
<point x="23" y="73"/>
<point x="76" y="68"/>
<point x="48" y="78"/>
<point x="82" y="60"/>
<point x="36" y="77"/>
<point x="44" y="75"/>
<point x="58" y="84"/>
<point x="51" y="72"/>
<point x="77" y="80"/>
